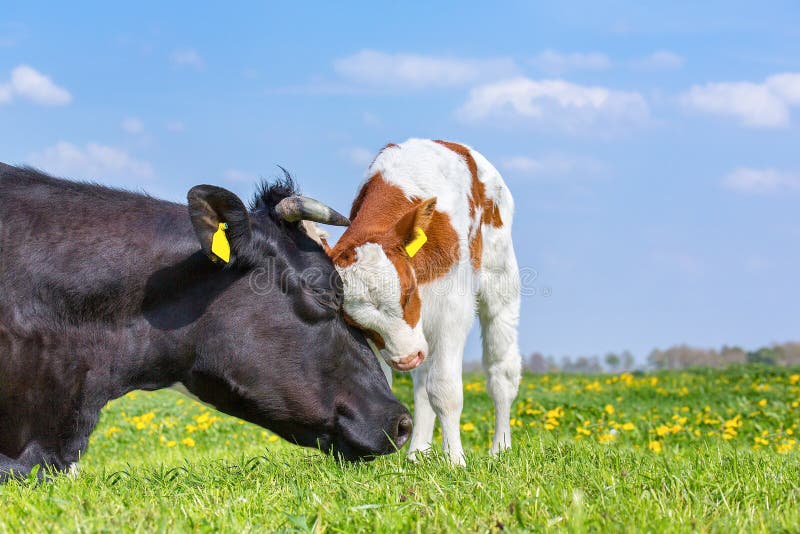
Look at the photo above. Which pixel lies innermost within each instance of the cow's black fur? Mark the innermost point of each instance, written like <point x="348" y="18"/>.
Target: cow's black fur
<point x="105" y="291"/>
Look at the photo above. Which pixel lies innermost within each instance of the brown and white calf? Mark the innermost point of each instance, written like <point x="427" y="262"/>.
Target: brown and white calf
<point x="429" y="245"/>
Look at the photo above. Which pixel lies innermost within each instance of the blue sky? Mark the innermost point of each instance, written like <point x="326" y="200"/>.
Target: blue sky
<point x="653" y="148"/>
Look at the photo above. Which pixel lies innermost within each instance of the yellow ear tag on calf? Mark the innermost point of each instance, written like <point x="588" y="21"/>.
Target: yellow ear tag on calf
<point x="219" y="243"/>
<point x="419" y="239"/>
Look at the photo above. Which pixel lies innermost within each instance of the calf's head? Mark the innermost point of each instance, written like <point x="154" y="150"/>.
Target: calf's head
<point x="381" y="294"/>
<point x="272" y="346"/>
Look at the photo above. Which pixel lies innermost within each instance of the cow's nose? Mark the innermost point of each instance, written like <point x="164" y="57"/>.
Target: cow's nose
<point x="402" y="432"/>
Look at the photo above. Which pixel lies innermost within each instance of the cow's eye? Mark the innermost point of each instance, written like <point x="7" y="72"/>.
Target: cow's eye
<point x="328" y="298"/>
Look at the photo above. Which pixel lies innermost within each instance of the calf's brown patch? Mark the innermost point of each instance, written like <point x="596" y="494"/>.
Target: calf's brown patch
<point x="490" y="214"/>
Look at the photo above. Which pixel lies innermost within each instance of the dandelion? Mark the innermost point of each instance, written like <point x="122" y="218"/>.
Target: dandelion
<point x="113" y="430"/>
<point x="189" y="442"/>
<point x="655" y="446"/>
<point x="468" y="427"/>
<point x="594" y="386"/>
<point x="140" y="422"/>
<point x="605" y="438"/>
<point x="762" y="402"/>
<point x="273" y="438"/>
<point x="171" y="443"/>
<point x="609" y="409"/>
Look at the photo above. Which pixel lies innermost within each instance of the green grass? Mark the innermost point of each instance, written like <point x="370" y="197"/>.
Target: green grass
<point x="694" y="451"/>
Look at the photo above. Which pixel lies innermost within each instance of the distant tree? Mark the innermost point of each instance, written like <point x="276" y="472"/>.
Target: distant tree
<point x="731" y="355"/>
<point x="582" y="364"/>
<point x="612" y="361"/>
<point x="765" y="355"/>
<point x="538" y="363"/>
<point x="788" y="353"/>
<point x="683" y="356"/>
<point x="627" y="360"/>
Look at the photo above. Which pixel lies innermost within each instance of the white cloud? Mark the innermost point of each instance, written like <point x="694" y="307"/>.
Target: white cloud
<point x="29" y="84"/>
<point x="412" y="71"/>
<point x="92" y="162"/>
<point x="239" y="176"/>
<point x="551" y="165"/>
<point x="358" y="156"/>
<point x="765" y="105"/>
<point x="553" y="62"/>
<point x="176" y="126"/>
<point x="661" y="60"/>
<point x="523" y="164"/>
<point x="187" y="57"/>
<point x="132" y="125"/>
<point x="557" y="103"/>
<point x="5" y="93"/>
<point x="761" y="181"/>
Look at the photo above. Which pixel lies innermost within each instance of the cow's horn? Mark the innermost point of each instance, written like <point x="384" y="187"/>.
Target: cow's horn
<point x="299" y="208"/>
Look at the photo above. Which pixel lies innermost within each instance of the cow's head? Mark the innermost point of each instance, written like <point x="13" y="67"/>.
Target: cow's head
<point x="272" y="346"/>
<point x="381" y="294"/>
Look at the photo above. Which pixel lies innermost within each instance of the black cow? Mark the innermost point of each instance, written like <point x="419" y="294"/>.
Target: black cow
<point x="106" y="291"/>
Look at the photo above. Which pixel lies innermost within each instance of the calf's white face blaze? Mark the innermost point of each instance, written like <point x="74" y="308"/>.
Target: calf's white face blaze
<point x="374" y="300"/>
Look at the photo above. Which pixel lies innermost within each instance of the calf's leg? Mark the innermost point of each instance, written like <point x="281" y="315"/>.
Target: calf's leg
<point x="424" y="416"/>
<point x="498" y="309"/>
<point x="446" y="393"/>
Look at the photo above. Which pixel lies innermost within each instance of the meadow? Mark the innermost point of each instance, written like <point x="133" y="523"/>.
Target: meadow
<point x="703" y="450"/>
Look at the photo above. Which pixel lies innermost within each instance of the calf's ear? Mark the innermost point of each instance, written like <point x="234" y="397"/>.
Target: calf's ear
<point x="412" y="226"/>
<point x="220" y="221"/>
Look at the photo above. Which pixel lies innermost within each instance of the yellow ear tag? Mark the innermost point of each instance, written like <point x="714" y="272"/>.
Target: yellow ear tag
<point x="219" y="243"/>
<point x="419" y="239"/>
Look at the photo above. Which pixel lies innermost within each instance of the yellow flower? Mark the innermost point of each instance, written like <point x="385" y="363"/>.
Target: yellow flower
<point x="605" y="438"/>
<point x="171" y="443"/>
<point x="189" y="442"/>
<point x="794" y="379"/>
<point x="468" y="427"/>
<point x="584" y="431"/>
<point x="594" y="386"/>
<point x="762" y="402"/>
<point x="609" y="409"/>
<point x="111" y="431"/>
<point x="655" y="446"/>
<point x="142" y="421"/>
<point x="628" y="426"/>
<point x="273" y="438"/>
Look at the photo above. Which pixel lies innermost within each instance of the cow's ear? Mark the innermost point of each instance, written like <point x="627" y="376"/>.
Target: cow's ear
<point x="413" y="226"/>
<point x="220" y="221"/>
